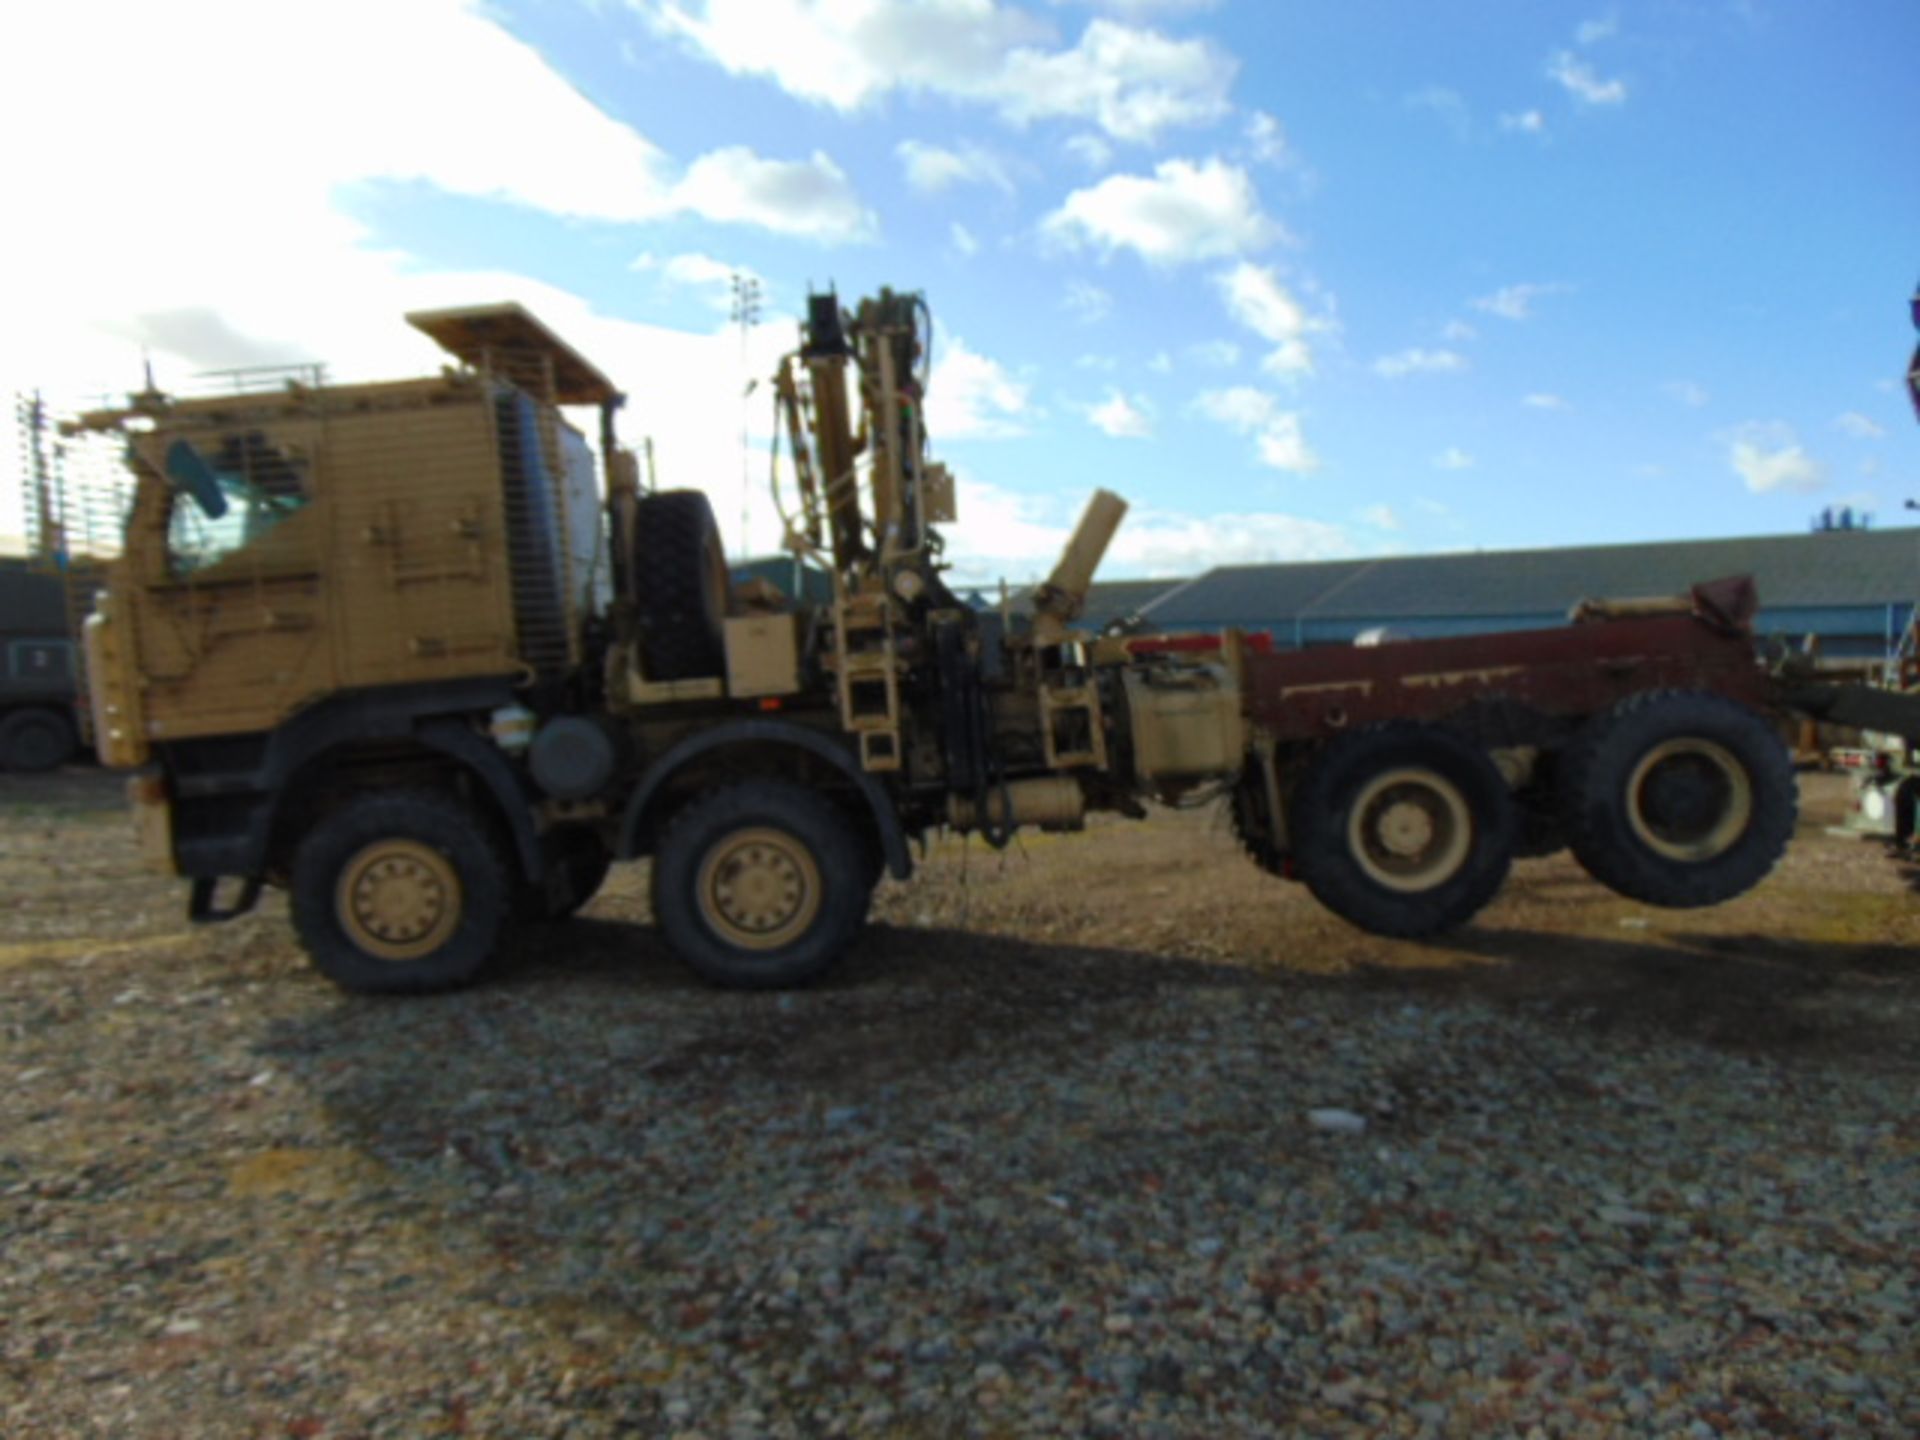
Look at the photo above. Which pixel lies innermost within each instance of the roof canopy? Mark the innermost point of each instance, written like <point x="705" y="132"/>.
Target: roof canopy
<point x="504" y="338"/>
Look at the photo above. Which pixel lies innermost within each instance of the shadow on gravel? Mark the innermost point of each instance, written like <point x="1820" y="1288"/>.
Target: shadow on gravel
<point x="1749" y="992"/>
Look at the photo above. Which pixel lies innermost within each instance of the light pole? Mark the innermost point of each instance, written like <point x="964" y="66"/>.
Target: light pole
<point x="745" y="313"/>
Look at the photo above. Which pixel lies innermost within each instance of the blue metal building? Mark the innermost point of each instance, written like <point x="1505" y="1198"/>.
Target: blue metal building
<point x="1853" y="590"/>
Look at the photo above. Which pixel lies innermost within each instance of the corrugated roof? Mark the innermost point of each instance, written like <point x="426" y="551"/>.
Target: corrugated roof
<point x="1839" y="568"/>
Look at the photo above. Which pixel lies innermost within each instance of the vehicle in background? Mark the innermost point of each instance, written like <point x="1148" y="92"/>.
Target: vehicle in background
<point x="39" y="725"/>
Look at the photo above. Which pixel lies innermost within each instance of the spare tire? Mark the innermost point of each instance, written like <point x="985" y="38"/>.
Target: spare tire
<point x="680" y="586"/>
<point x="1678" y="798"/>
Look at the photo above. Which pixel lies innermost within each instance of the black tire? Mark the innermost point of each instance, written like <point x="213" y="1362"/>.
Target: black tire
<point x="807" y="868"/>
<point x="415" y="866"/>
<point x="578" y="867"/>
<point x="1452" y="837"/>
<point x="680" y="586"/>
<point x="1678" y="798"/>
<point x="35" y="740"/>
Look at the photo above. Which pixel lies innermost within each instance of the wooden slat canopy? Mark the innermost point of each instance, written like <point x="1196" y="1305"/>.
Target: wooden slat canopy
<point x="496" y="336"/>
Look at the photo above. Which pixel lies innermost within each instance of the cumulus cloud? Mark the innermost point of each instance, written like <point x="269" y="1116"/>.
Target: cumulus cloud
<point x="1579" y="80"/>
<point x="1515" y="302"/>
<point x="1266" y="140"/>
<point x="933" y="168"/>
<point x="1541" y="400"/>
<point x="1280" y="441"/>
<point x="1859" y="426"/>
<point x="1769" y="458"/>
<point x="1132" y="83"/>
<point x="1086" y="302"/>
<point x="1591" y="32"/>
<point x="300" y="277"/>
<point x="1256" y="298"/>
<point x="1005" y="534"/>
<point x="972" y="397"/>
<point x="1525" y="122"/>
<point x="1121" y="417"/>
<point x="1380" y="516"/>
<point x="963" y="239"/>
<point x="1416" y="361"/>
<point x="808" y="198"/>
<point x="695" y="271"/>
<point x="1182" y="212"/>
<point x="1453" y="458"/>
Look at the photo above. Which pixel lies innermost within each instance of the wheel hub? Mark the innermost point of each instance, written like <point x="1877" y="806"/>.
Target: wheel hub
<point x="398" y="899"/>
<point x="1689" y="799"/>
<point x="1410" y="829"/>
<point x="759" y="888"/>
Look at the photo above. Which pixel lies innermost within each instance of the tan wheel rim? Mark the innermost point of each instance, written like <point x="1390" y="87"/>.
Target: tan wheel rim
<point x="1410" y="830"/>
<point x="398" y="900"/>
<point x="1689" y="800"/>
<point x="759" y="889"/>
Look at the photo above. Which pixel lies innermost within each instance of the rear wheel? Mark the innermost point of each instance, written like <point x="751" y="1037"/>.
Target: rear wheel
<point x="400" y="892"/>
<point x="36" y="740"/>
<point x="680" y="586"/>
<point x="1405" y="830"/>
<point x="1678" y="798"/>
<point x="761" y="885"/>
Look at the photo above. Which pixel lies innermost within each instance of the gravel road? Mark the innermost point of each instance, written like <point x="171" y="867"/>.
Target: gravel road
<point x="1116" y="1137"/>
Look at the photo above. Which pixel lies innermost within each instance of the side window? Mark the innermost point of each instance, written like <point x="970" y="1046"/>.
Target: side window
<point x="227" y="497"/>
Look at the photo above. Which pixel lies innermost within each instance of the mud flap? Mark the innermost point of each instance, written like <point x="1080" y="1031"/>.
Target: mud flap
<point x="202" y="911"/>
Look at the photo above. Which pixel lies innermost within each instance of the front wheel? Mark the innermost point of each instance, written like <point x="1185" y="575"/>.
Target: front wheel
<point x="36" y="740"/>
<point x="1405" y="830"/>
<point x="760" y="885"/>
<point x="1677" y="798"/>
<point x="400" y="892"/>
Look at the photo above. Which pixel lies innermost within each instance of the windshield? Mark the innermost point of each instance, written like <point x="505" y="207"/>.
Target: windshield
<point x="227" y="498"/>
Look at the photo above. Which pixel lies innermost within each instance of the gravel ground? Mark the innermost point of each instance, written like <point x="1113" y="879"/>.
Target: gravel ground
<point x="1112" y="1137"/>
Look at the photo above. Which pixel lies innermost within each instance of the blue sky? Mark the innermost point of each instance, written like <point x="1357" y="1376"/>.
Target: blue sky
<point x="1299" y="279"/>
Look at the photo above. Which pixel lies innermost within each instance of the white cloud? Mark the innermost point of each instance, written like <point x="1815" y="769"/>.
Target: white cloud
<point x="1183" y="212"/>
<point x="1769" y="458"/>
<point x="694" y="271"/>
<point x="1515" y="302"/>
<point x="1001" y="533"/>
<point x="933" y="168"/>
<point x="1591" y="32"/>
<point x="1578" y="79"/>
<point x="1859" y="426"/>
<point x="1121" y="417"/>
<point x="1266" y="140"/>
<point x="1161" y="363"/>
<point x="1133" y="83"/>
<point x="266" y="262"/>
<point x="1688" y="393"/>
<point x="963" y="239"/>
<point x="807" y="198"/>
<point x="1540" y="400"/>
<point x="1417" y="361"/>
<point x="1086" y="302"/>
<point x="1525" y="122"/>
<point x="1453" y="458"/>
<point x="1380" y="517"/>
<point x="1090" y="150"/>
<point x="1456" y="332"/>
<point x="1448" y="106"/>
<point x="1279" y="439"/>
<point x="972" y="397"/>
<point x="1256" y="298"/>
<point x="1215" y="354"/>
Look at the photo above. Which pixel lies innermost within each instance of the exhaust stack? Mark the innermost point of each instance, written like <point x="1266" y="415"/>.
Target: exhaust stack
<point x="1058" y="603"/>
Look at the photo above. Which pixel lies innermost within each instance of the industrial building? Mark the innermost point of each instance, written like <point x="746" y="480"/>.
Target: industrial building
<point x="1851" y="590"/>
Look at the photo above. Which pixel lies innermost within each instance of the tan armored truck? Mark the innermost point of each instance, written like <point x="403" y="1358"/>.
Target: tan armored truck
<point x="424" y="657"/>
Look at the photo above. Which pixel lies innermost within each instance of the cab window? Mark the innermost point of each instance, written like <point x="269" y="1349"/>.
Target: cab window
<point x="227" y="497"/>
